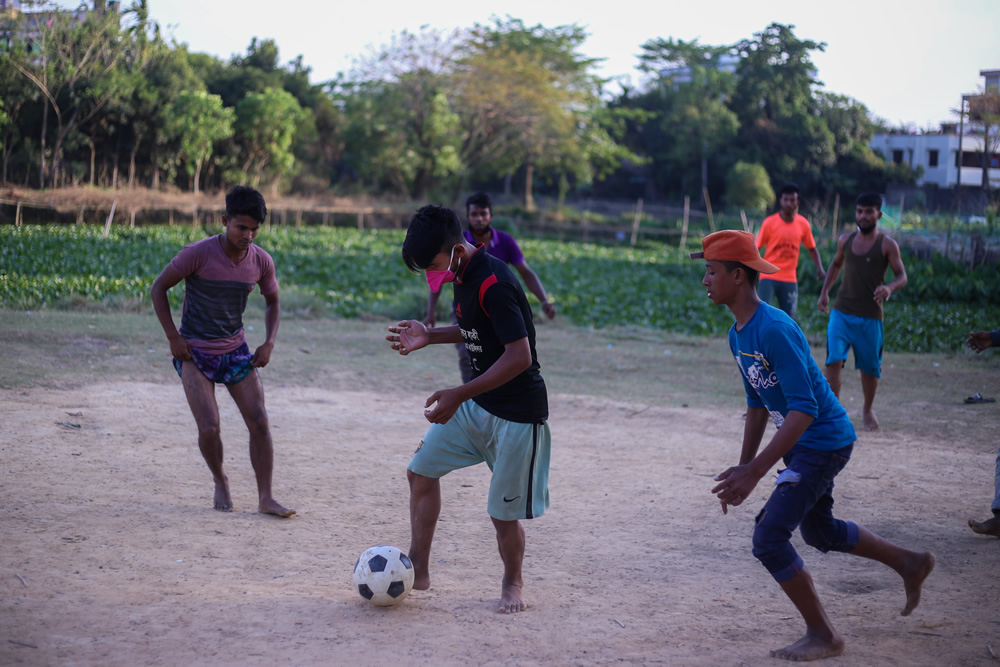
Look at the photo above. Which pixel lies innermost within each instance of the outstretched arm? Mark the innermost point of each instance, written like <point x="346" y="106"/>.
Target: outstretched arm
<point x="736" y="483"/>
<point x="516" y="358"/>
<point x="820" y="272"/>
<point x="410" y="335"/>
<point x="534" y="285"/>
<point x="883" y="292"/>
<point x="169" y="277"/>
<point x="272" y="318"/>
<point x="832" y="274"/>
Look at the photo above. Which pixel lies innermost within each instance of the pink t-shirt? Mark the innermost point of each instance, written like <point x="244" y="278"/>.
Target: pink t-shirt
<point x="216" y="291"/>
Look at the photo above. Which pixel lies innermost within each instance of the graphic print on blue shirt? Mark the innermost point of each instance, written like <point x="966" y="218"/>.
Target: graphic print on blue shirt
<point x="780" y="374"/>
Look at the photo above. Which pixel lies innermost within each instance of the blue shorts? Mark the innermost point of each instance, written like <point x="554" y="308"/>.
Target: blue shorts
<point x="864" y="334"/>
<point x="518" y="455"/>
<point x="806" y="504"/>
<point x="229" y="368"/>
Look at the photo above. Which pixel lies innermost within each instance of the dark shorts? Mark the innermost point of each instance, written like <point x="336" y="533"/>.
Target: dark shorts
<point x="804" y="501"/>
<point x="227" y="369"/>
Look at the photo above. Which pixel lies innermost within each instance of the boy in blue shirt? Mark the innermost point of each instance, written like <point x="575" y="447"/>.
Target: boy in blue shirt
<point x="814" y="440"/>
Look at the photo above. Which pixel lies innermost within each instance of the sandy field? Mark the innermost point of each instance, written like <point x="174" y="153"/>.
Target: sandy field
<point x="112" y="555"/>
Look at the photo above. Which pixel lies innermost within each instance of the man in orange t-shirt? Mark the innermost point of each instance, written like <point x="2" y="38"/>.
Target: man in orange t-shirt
<point x="780" y="235"/>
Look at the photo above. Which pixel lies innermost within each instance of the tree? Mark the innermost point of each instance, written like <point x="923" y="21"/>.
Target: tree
<point x="75" y="63"/>
<point x="691" y="89"/>
<point x="198" y="120"/>
<point x="401" y="130"/>
<point x="984" y="109"/>
<point x="265" y="126"/>
<point x="748" y="186"/>
<point x="774" y="101"/>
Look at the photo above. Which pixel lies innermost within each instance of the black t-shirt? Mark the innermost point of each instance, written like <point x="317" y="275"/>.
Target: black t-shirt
<point x="492" y="311"/>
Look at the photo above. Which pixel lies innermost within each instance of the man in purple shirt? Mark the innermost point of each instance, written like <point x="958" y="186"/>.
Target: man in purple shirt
<point x="479" y="211"/>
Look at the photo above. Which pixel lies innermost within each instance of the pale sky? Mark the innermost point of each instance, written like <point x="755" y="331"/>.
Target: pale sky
<point x="908" y="61"/>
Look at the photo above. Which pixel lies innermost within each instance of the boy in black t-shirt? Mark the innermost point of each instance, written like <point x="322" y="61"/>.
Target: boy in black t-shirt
<point x="498" y="417"/>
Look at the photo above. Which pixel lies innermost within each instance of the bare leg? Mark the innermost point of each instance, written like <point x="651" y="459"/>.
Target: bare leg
<point x="425" y="507"/>
<point x="820" y="640"/>
<point x="510" y="539"/>
<point x="200" y="392"/>
<point x="248" y="394"/>
<point x="832" y="373"/>
<point x="912" y="566"/>
<point x="869" y="384"/>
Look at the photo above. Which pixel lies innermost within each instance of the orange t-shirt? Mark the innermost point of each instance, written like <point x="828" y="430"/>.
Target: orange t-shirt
<point x="782" y="240"/>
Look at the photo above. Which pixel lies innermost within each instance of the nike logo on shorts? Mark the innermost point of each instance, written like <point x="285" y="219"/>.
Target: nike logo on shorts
<point x="510" y="500"/>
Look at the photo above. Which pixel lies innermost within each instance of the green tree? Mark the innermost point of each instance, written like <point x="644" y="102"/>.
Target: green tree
<point x="984" y="109"/>
<point x="265" y="127"/>
<point x="198" y="120"/>
<point x="748" y="186"/>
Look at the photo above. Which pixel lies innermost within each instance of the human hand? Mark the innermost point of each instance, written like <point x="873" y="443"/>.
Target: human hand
<point x="549" y="309"/>
<point x="431" y="320"/>
<point x="979" y="341"/>
<point x="448" y="401"/>
<point x="823" y="303"/>
<point x="262" y="355"/>
<point x="882" y="293"/>
<point x="407" y="336"/>
<point x="821" y="274"/>
<point x="735" y="485"/>
<point x="180" y="348"/>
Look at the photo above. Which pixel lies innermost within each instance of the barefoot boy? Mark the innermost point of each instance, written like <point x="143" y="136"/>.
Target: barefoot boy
<point x="219" y="273"/>
<point x="856" y="317"/>
<point x="814" y="440"/>
<point x="498" y="417"/>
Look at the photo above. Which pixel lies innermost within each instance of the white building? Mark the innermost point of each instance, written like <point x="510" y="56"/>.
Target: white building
<point x="938" y="155"/>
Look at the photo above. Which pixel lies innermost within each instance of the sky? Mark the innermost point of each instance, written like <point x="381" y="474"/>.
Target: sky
<point x="908" y="61"/>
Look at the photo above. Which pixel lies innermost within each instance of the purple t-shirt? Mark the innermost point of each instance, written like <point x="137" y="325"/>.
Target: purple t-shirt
<point x="216" y="291"/>
<point x="502" y="246"/>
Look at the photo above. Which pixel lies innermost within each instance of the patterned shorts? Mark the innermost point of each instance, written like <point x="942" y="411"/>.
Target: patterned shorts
<point x="229" y="368"/>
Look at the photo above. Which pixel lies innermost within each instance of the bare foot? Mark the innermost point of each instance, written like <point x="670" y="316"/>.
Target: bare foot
<point x="511" y="599"/>
<point x="223" y="501"/>
<point x="871" y="421"/>
<point x="811" y="648"/>
<point x="272" y="506"/>
<point x="914" y="573"/>
<point x="988" y="527"/>
<point x="421" y="579"/>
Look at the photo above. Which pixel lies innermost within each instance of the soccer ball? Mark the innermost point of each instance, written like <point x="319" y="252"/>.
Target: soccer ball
<point x="383" y="575"/>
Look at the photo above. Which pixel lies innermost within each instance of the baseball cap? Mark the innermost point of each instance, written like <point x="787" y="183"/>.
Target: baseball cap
<point x="732" y="245"/>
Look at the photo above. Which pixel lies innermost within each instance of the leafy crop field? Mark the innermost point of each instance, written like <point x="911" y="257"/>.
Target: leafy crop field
<point x="350" y="273"/>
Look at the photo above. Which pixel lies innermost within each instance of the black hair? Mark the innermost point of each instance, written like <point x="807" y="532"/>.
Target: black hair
<point x="752" y="274"/>
<point x="244" y="200"/>
<point x="480" y="199"/>
<point x="870" y="199"/>
<point x="431" y="230"/>
<point x="788" y="189"/>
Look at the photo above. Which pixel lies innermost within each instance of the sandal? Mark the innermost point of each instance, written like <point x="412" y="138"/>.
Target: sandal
<point x="979" y="398"/>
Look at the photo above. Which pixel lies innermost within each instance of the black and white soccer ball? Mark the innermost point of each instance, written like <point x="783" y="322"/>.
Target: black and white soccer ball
<point x="383" y="575"/>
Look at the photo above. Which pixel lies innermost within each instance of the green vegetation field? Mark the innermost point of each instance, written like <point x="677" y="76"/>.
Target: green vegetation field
<point x="347" y="273"/>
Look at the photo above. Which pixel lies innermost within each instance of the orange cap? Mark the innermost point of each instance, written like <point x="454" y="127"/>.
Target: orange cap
<point x="731" y="245"/>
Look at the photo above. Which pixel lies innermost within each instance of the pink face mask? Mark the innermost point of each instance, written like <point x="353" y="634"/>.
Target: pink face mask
<point x="437" y="278"/>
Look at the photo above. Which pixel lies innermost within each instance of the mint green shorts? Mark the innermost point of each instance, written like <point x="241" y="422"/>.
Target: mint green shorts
<point x="517" y="454"/>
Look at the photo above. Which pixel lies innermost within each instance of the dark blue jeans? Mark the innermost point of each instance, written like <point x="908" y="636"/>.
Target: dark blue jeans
<point x="788" y="294"/>
<point x="807" y="505"/>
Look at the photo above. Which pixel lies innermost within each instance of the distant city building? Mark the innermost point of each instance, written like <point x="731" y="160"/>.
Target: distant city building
<point x="938" y="153"/>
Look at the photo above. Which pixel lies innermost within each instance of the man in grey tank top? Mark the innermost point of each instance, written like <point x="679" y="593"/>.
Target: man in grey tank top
<point x="856" y="318"/>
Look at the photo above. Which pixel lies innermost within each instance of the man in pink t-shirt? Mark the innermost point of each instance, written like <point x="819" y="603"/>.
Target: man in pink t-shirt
<point x="219" y="273"/>
<point x="781" y="234"/>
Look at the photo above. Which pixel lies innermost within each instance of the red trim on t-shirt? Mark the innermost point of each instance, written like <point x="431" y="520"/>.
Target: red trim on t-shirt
<point x="488" y="283"/>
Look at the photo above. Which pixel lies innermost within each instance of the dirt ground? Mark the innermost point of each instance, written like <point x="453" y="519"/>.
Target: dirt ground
<point x="112" y="555"/>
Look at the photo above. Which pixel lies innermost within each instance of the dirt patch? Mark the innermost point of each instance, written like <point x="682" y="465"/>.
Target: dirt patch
<point x="112" y="553"/>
